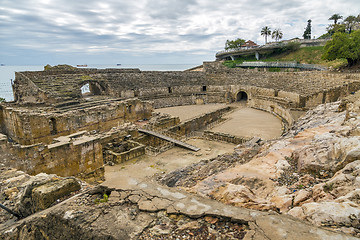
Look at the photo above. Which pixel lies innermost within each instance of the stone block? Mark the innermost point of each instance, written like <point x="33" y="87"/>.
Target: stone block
<point x="45" y="195"/>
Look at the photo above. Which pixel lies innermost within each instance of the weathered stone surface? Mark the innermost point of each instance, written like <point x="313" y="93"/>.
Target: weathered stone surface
<point x="329" y="213"/>
<point x="315" y="163"/>
<point x="26" y="194"/>
<point x="83" y="217"/>
<point x="45" y="195"/>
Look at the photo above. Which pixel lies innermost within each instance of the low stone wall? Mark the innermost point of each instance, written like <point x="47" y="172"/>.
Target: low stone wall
<point x="198" y="123"/>
<point x="275" y="108"/>
<point x="136" y="150"/>
<point x="224" y="137"/>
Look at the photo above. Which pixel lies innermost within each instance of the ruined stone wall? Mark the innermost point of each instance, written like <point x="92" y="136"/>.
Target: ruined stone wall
<point x="198" y="123"/>
<point x="150" y="84"/>
<point x="29" y="126"/>
<point x="135" y="150"/>
<point x="224" y="137"/>
<point x="82" y="158"/>
<point x="26" y="91"/>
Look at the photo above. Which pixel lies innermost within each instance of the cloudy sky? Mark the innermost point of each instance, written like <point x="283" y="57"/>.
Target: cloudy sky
<point x="148" y="31"/>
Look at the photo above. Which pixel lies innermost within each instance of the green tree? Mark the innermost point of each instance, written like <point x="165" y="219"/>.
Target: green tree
<point x="343" y="45"/>
<point x="233" y="44"/>
<point x="265" y="31"/>
<point x="350" y="21"/>
<point x="307" y="32"/>
<point x="333" y="28"/>
<point x="277" y="34"/>
<point x="336" y="17"/>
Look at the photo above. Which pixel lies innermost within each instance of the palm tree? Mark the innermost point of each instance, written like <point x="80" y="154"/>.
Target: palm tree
<point x="335" y="17"/>
<point x="350" y="22"/>
<point x="277" y="34"/>
<point x="265" y="31"/>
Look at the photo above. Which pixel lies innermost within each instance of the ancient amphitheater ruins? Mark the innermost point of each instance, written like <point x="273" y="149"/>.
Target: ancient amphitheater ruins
<point x="138" y="168"/>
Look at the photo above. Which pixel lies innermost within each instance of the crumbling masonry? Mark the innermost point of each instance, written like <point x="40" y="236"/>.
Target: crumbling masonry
<point x="53" y="127"/>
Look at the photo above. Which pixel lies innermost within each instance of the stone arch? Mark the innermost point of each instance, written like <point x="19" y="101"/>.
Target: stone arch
<point x="91" y="88"/>
<point x="242" y="96"/>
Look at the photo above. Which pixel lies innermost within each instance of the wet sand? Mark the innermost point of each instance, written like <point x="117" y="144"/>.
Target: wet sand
<point x="129" y="174"/>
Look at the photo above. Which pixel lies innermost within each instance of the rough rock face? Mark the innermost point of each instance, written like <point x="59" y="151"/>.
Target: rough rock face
<point x="156" y="212"/>
<point x="311" y="173"/>
<point x="25" y="194"/>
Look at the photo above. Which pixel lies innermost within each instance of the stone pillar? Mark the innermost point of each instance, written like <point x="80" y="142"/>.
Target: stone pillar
<point x="257" y="56"/>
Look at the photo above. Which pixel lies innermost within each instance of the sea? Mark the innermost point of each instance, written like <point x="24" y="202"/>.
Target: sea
<point x="7" y="73"/>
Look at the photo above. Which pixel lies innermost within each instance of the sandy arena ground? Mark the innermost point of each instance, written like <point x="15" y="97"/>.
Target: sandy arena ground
<point x="244" y="121"/>
<point x="128" y="174"/>
<point x="250" y="122"/>
<point x="189" y="111"/>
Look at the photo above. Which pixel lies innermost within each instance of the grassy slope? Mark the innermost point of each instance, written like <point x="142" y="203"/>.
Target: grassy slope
<point x="311" y="55"/>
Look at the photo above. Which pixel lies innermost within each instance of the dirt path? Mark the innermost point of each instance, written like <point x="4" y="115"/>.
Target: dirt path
<point x="129" y="174"/>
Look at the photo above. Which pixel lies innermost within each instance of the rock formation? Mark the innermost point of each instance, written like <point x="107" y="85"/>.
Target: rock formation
<point x="311" y="173"/>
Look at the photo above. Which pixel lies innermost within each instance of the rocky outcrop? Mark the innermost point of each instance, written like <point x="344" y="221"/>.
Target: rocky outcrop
<point x="311" y="173"/>
<point x="157" y="212"/>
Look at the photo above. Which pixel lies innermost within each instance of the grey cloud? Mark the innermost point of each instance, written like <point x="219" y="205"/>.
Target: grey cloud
<point x="193" y="26"/>
<point x="171" y="9"/>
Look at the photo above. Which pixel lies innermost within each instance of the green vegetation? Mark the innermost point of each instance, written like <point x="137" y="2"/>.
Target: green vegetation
<point x="307" y="32"/>
<point x="2" y="99"/>
<point x="265" y="31"/>
<point x="328" y="187"/>
<point x="343" y="46"/>
<point x="335" y="17"/>
<point x="233" y="44"/>
<point x="346" y="26"/>
<point x="103" y="200"/>
<point x="277" y="34"/>
<point x="309" y="55"/>
<point x="341" y="51"/>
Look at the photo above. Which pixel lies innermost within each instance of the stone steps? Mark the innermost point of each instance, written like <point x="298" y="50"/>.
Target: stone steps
<point x="169" y="139"/>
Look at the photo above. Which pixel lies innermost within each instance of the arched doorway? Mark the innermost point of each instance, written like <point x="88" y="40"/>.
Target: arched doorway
<point x="241" y="96"/>
<point x="91" y="89"/>
<point x="53" y="127"/>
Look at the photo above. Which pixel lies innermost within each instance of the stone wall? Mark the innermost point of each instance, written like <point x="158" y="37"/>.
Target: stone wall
<point x="198" y="123"/>
<point x="215" y="136"/>
<point x="277" y="108"/>
<point x="135" y="150"/>
<point x="57" y="86"/>
<point x="35" y="125"/>
<point x="74" y="155"/>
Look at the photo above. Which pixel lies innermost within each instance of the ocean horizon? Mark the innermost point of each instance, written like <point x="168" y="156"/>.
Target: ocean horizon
<point x="7" y="72"/>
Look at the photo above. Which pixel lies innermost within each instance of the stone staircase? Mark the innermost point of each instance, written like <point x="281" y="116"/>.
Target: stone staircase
<point x="169" y="139"/>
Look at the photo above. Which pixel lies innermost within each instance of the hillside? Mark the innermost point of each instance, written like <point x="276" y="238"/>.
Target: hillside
<point x="309" y="55"/>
